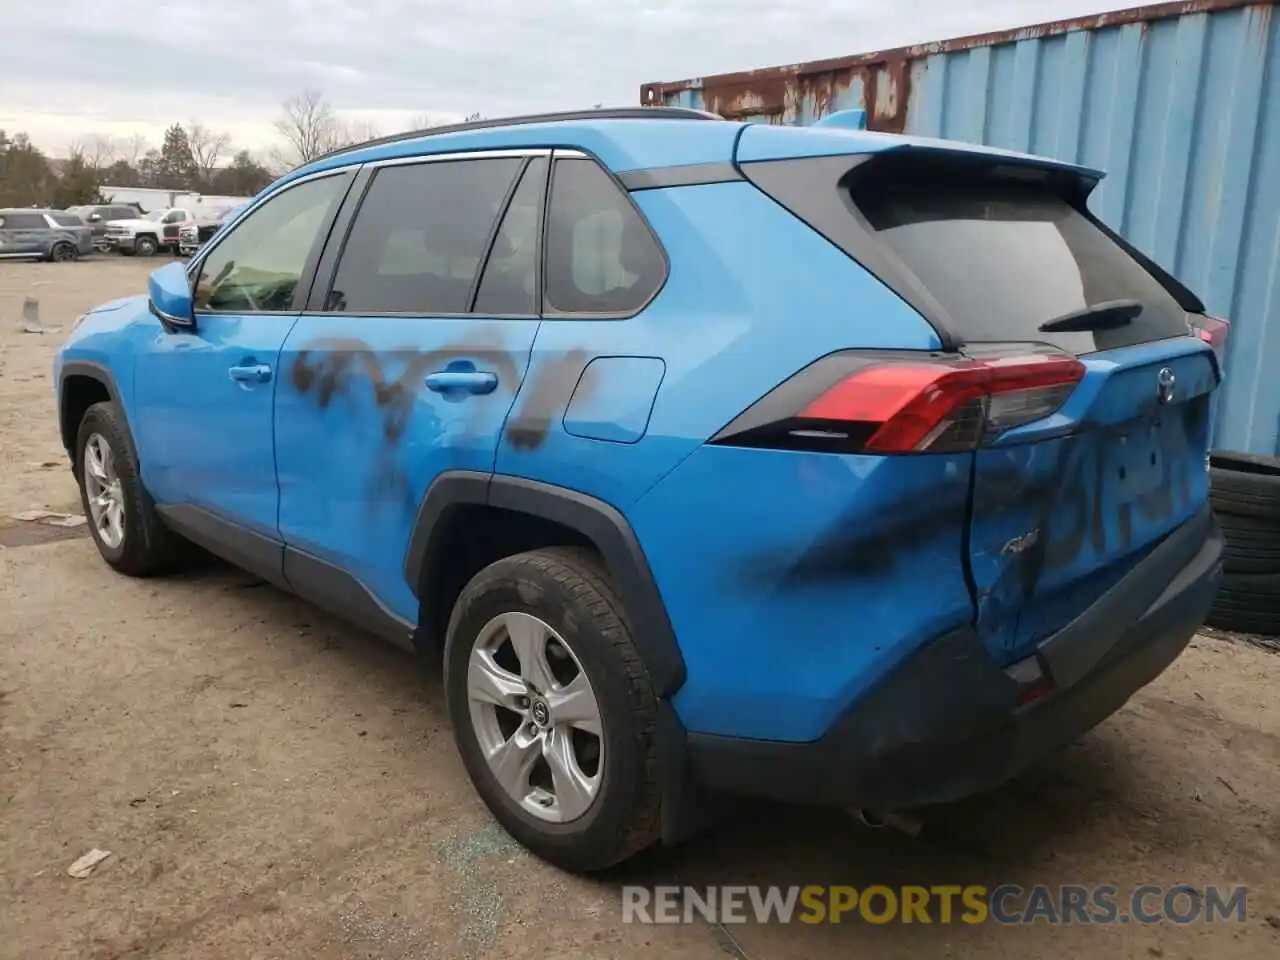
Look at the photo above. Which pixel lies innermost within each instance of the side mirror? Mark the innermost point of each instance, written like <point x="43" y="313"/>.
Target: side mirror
<point x="95" y="217"/>
<point x="170" y="294"/>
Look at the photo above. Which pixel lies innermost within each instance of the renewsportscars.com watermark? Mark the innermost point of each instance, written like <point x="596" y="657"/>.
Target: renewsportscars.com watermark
<point x="1102" y="904"/>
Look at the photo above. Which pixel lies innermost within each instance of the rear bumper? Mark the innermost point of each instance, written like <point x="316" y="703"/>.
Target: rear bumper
<point x="946" y="723"/>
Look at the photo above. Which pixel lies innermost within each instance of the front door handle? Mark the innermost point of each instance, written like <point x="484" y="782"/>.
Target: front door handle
<point x="251" y="373"/>
<point x="460" y="381"/>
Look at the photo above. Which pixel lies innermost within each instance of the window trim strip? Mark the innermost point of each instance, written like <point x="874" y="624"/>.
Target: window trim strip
<point x="501" y="215"/>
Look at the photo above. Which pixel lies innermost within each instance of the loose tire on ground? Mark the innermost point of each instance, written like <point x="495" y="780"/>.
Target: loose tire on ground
<point x="568" y="590"/>
<point x="1245" y="485"/>
<point x="148" y="546"/>
<point x="1252" y="545"/>
<point x="1248" y="603"/>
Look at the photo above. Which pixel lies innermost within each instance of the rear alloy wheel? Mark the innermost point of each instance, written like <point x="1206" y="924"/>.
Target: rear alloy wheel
<point x="552" y="709"/>
<point x="526" y="717"/>
<point x="62" y="252"/>
<point x="145" y="247"/>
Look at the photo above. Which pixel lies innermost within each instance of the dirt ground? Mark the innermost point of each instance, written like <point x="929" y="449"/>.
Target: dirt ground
<point x="271" y="783"/>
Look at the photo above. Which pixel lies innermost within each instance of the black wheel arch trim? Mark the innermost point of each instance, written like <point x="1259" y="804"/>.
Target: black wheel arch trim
<point x="599" y="522"/>
<point x="94" y="371"/>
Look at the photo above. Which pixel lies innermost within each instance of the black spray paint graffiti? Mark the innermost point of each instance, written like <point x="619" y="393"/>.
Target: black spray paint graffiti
<point x="1071" y="509"/>
<point x="332" y="367"/>
<point x="328" y="367"/>
<point x="546" y="396"/>
<point x="1065" y="506"/>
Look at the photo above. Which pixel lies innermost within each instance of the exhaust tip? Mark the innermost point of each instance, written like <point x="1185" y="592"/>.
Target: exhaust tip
<point x="877" y="821"/>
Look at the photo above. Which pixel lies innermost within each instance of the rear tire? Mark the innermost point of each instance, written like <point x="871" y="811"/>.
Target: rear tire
<point x="567" y="591"/>
<point x="121" y="516"/>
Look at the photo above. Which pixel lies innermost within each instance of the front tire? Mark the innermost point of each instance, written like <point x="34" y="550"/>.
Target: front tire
<point x="122" y="519"/>
<point x="553" y="712"/>
<point x="62" y="252"/>
<point x="145" y="247"/>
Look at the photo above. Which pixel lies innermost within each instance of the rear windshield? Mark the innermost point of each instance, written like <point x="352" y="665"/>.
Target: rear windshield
<point x="985" y="253"/>
<point x="1002" y="260"/>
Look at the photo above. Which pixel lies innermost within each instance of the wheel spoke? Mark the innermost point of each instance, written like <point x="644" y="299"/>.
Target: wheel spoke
<point x="575" y="705"/>
<point x="109" y="464"/>
<point x="513" y="761"/>
<point x="490" y="683"/>
<point x="115" y="519"/>
<point x="93" y="461"/>
<point x="529" y="640"/>
<point x="573" y="789"/>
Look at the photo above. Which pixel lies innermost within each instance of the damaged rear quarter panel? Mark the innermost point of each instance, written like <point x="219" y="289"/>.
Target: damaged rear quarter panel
<point x="799" y="579"/>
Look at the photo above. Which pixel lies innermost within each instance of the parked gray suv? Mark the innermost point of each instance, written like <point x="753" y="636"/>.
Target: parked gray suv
<point x="43" y="235"/>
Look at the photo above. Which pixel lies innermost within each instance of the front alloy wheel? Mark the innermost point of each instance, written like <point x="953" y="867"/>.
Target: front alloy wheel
<point x="120" y="514"/>
<point x="535" y="716"/>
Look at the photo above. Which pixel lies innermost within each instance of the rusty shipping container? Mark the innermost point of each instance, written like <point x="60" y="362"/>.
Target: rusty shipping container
<point x="1179" y="103"/>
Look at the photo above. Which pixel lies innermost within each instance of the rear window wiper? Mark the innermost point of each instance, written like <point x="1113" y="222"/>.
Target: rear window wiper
<point x="1102" y="316"/>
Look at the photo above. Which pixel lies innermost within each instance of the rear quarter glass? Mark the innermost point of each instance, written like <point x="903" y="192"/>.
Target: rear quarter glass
<point x="986" y="252"/>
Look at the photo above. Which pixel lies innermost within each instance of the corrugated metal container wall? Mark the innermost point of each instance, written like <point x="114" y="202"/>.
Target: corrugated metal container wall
<point x="1178" y="103"/>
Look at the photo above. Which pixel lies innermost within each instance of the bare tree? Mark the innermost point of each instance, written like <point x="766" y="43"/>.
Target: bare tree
<point x="207" y="147"/>
<point x="358" y="131"/>
<point x="309" y="127"/>
<point x="131" y="149"/>
<point x="96" y="151"/>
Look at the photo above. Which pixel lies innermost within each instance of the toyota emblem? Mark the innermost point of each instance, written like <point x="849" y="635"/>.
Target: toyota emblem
<point x="1164" y="385"/>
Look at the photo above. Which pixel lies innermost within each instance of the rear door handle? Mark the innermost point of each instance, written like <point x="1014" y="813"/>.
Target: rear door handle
<point x="251" y="373"/>
<point x="462" y="381"/>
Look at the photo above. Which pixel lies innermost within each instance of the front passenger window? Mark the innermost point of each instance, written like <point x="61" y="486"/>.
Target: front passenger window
<point x="257" y="266"/>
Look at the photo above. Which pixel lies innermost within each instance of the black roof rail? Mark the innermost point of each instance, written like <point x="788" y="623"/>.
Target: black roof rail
<point x="605" y="113"/>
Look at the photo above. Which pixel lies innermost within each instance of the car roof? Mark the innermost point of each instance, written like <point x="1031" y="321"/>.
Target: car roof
<point x="625" y="139"/>
<point x="639" y="138"/>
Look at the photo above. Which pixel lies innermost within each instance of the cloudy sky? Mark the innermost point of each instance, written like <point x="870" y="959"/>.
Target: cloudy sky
<point x="72" y="68"/>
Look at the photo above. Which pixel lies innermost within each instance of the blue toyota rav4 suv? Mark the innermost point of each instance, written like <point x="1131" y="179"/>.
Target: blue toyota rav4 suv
<point x="815" y="464"/>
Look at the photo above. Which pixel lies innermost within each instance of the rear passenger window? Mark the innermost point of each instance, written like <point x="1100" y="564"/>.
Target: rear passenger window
<point x="419" y="237"/>
<point x="510" y="282"/>
<point x="601" y="257"/>
<point x="25" y="221"/>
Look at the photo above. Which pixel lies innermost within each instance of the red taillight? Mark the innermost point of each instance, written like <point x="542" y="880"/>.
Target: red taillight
<point x="916" y="404"/>
<point x="852" y="403"/>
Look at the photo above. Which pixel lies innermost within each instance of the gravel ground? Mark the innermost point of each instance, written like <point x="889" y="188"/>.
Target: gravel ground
<point x="271" y="783"/>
